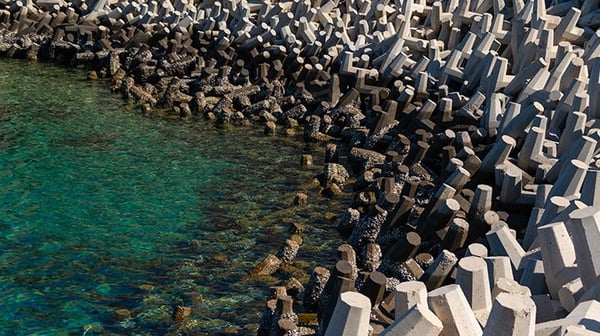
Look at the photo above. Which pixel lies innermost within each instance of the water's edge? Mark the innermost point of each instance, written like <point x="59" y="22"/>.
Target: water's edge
<point x="228" y="214"/>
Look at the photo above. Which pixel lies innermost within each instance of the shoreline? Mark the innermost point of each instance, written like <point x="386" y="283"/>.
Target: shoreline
<point x="461" y="132"/>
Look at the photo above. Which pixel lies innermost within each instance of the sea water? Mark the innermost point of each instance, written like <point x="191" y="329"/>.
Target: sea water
<point x="110" y="218"/>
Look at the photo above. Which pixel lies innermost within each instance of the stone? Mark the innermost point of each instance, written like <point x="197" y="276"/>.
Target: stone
<point x="300" y="199"/>
<point x="268" y="266"/>
<point x="181" y="313"/>
<point x="334" y="173"/>
<point x="306" y="160"/>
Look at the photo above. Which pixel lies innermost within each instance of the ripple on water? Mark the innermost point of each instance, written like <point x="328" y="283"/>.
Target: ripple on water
<point x="108" y="219"/>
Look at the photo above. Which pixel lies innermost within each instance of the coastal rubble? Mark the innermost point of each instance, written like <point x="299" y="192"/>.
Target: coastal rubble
<point x="467" y="130"/>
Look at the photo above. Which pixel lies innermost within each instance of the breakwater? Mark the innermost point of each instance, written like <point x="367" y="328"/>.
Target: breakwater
<point x="467" y="130"/>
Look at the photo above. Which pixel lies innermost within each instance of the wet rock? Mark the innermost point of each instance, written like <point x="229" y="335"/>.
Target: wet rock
<point x="297" y="228"/>
<point x="294" y="287"/>
<point x="289" y="251"/>
<point x="334" y="173"/>
<point x="268" y="266"/>
<point x="270" y="127"/>
<point x="306" y="160"/>
<point x="122" y="314"/>
<point x="300" y="199"/>
<point x="365" y="158"/>
<point x="349" y="220"/>
<point x="181" y="313"/>
<point x="332" y="190"/>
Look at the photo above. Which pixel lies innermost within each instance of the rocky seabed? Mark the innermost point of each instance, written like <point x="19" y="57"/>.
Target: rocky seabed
<point x="467" y="132"/>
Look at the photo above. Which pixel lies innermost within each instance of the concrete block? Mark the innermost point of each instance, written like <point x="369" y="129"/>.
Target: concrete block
<point x="503" y="243"/>
<point x="436" y="274"/>
<point x="350" y="316"/>
<point x="585" y="228"/>
<point x="417" y="321"/>
<point x="558" y="254"/>
<point x="407" y="295"/>
<point x="509" y="286"/>
<point x="473" y="278"/>
<point x="498" y="268"/>
<point x="511" y="314"/>
<point x="451" y="306"/>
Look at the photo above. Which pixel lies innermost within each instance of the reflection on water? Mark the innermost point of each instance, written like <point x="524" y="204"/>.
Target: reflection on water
<point x="108" y="219"/>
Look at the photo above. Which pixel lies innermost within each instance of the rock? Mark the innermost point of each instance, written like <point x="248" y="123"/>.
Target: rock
<point x="270" y="127"/>
<point x="306" y="160"/>
<point x="181" y="313"/>
<point x="268" y="266"/>
<point x="365" y="159"/>
<point x="334" y="173"/>
<point x="122" y="314"/>
<point x="300" y="199"/>
<point x="289" y="251"/>
<point x="92" y="75"/>
<point x="294" y="287"/>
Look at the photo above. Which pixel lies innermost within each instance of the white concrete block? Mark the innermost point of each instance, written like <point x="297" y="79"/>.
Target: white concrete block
<point x="451" y="306"/>
<point x="512" y="314"/>
<point x="350" y="316"/>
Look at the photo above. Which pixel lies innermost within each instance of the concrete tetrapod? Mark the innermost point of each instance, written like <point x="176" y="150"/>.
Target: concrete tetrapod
<point x="512" y="314"/>
<point x="408" y="294"/>
<point x="585" y="227"/>
<point x="472" y="276"/>
<point x="451" y="306"/>
<point x="350" y="316"/>
<point x="417" y="321"/>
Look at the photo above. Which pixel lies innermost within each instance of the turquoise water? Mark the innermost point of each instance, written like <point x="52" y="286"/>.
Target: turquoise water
<point x="104" y="209"/>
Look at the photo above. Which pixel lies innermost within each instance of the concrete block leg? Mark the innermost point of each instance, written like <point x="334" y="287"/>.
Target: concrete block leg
<point x="417" y="321"/>
<point x="570" y="293"/>
<point x="510" y="286"/>
<point x="585" y="227"/>
<point x="472" y="276"/>
<point x="350" y="316"/>
<point x="533" y="276"/>
<point x="451" y="306"/>
<point x="558" y="253"/>
<point x="441" y="267"/>
<point x="503" y="243"/>
<point x="407" y="295"/>
<point x="498" y="267"/>
<point x="511" y="314"/>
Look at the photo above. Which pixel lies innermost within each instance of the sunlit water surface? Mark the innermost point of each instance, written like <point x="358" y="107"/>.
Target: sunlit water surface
<point x="109" y="218"/>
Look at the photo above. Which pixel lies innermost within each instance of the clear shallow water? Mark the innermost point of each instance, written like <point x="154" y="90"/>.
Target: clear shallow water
<point x="102" y="208"/>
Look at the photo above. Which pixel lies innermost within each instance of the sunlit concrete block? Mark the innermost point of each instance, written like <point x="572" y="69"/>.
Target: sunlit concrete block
<point x="417" y="321"/>
<point x="585" y="228"/>
<point x="451" y="306"/>
<point x="509" y="286"/>
<point x="558" y="254"/>
<point x="511" y="314"/>
<point x="407" y="295"/>
<point x="350" y="316"/>
<point x="472" y="276"/>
